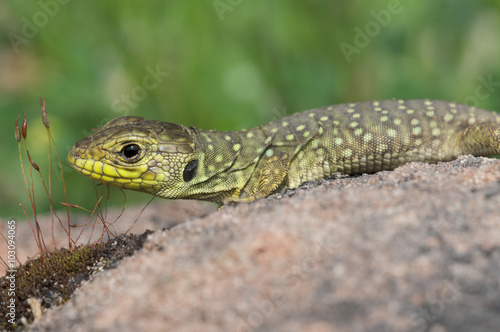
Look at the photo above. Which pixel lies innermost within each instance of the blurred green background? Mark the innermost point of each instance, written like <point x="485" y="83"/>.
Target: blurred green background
<point x="227" y="64"/>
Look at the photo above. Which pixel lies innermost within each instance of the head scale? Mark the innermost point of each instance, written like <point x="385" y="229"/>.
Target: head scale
<point x="134" y="153"/>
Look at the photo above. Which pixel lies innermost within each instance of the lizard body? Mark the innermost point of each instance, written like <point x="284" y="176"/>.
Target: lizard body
<point x="174" y="161"/>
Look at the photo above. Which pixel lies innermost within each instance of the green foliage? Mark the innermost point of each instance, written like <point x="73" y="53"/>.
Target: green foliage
<point x="230" y="65"/>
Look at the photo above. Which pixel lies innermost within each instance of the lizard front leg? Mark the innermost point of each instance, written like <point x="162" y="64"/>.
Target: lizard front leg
<point x="271" y="176"/>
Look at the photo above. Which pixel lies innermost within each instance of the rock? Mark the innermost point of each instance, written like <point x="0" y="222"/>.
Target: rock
<point x="415" y="249"/>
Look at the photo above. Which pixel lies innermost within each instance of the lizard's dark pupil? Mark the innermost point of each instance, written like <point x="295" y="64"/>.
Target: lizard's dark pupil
<point x="131" y="151"/>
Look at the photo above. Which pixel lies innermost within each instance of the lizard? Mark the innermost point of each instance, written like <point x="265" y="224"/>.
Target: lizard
<point x="178" y="162"/>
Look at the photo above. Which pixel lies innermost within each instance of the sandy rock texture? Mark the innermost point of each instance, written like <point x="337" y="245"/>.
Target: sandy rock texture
<point x="415" y="249"/>
<point x="160" y="214"/>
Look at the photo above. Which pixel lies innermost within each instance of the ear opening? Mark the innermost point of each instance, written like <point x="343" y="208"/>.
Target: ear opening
<point x="190" y="170"/>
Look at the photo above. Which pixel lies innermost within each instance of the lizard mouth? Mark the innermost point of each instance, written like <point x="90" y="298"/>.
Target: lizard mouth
<point x="84" y="161"/>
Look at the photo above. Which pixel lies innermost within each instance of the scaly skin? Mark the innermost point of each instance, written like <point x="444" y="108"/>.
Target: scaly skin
<point x="174" y="161"/>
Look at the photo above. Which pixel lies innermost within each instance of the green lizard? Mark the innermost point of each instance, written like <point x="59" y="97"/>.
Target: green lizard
<point x="174" y="161"/>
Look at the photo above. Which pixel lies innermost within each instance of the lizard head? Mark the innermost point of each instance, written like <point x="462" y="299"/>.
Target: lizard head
<point x="134" y="153"/>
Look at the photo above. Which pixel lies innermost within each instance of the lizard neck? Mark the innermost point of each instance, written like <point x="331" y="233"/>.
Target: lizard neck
<point x="218" y="151"/>
<point x="226" y="162"/>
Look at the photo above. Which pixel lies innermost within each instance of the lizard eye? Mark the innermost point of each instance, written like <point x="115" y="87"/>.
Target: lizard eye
<point x="190" y="170"/>
<point x="131" y="152"/>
